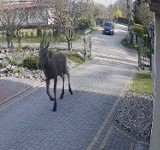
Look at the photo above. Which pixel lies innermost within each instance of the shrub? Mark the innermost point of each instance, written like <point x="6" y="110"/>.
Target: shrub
<point x="62" y="38"/>
<point x="50" y="34"/>
<point x="26" y="47"/>
<point x="144" y="51"/>
<point x="14" y="61"/>
<point x="18" y="49"/>
<point x="1" y="65"/>
<point x="22" y="34"/>
<point x="44" y="33"/>
<point x="84" y="24"/>
<point x="75" y="58"/>
<point x="76" y="37"/>
<point x="26" y="34"/>
<point x="39" y="32"/>
<point x="139" y="29"/>
<point x="3" y="35"/>
<point x="31" y="62"/>
<point x="32" y="34"/>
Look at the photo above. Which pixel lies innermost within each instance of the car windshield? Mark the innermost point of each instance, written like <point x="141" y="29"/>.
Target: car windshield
<point x="108" y="24"/>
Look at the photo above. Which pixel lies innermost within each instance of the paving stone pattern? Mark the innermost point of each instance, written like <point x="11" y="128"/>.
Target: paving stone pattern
<point x="9" y="88"/>
<point x="30" y="124"/>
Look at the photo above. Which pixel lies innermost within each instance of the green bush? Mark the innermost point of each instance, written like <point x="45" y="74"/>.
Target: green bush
<point x="18" y="49"/>
<point x="26" y="34"/>
<point x="76" y="37"/>
<point x="31" y="62"/>
<point x="32" y="34"/>
<point x="26" y="47"/>
<point x="139" y="29"/>
<point x="44" y="33"/>
<point x="84" y="24"/>
<point x="50" y="34"/>
<point x="39" y="32"/>
<point x="3" y="35"/>
<point x="75" y="58"/>
<point x="144" y="51"/>
<point x="1" y="65"/>
<point x="62" y="38"/>
<point x="14" y="61"/>
<point x="22" y="34"/>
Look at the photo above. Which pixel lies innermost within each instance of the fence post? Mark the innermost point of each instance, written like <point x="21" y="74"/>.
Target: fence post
<point x="87" y="44"/>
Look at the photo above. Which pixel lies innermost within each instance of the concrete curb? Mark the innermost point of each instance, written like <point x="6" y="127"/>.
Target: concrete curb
<point x="96" y="137"/>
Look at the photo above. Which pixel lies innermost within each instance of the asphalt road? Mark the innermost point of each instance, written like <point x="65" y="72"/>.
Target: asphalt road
<point x="30" y="124"/>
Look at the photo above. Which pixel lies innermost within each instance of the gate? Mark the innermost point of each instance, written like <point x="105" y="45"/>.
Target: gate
<point x="143" y="53"/>
<point x="87" y="44"/>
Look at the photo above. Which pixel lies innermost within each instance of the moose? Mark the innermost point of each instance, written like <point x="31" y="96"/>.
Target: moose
<point x="53" y="65"/>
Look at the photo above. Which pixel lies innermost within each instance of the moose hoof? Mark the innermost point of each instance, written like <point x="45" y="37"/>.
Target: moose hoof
<point x="52" y="99"/>
<point x="71" y="92"/>
<point x="54" y="110"/>
<point x="61" y="96"/>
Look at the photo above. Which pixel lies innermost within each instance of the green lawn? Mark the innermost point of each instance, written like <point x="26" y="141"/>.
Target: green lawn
<point x="142" y="83"/>
<point x="75" y="58"/>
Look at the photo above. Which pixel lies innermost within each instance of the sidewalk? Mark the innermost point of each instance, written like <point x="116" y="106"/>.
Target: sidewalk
<point x="108" y="137"/>
<point x="83" y="120"/>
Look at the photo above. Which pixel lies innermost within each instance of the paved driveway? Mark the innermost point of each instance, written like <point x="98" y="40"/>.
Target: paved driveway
<point x="83" y="120"/>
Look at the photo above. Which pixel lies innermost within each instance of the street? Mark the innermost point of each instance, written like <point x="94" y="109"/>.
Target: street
<point x="82" y="120"/>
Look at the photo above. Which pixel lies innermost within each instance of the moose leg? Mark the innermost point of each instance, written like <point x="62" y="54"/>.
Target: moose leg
<point x="62" y="87"/>
<point x="69" y="86"/>
<point x="47" y="89"/>
<point x="55" y="101"/>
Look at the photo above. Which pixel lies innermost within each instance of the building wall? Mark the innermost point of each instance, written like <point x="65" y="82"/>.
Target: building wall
<point x="155" y="135"/>
<point x="29" y="15"/>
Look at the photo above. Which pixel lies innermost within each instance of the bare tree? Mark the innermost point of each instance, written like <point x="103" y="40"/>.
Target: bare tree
<point x="12" y="15"/>
<point x="64" y="15"/>
<point x="99" y="11"/>
<point x="110" y="12"/>
<point x="122" y="5"/>
<point x="142" y="13"/>
<point x="21" y="14"/>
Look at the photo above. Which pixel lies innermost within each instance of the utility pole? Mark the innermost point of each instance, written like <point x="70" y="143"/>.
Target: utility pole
<point x="129" y="19"/>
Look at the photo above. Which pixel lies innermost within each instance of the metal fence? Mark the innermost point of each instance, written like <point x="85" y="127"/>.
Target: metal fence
<point x="145" y="50"/>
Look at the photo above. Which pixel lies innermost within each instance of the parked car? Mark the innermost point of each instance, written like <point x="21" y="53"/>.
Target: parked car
<point x="108" y="28"/>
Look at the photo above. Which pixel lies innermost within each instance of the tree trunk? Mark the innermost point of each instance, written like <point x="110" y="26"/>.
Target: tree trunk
<point x="69" y="45"/>
<point x="8" y="36"/>
<point x="39" y="32"/>
<point x="19" y="38"/>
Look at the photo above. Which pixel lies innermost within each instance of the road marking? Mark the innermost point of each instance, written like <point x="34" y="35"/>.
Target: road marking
<point x="93" y="142"/>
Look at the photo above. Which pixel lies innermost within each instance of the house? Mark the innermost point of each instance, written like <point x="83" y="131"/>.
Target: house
<point x="155" y="134"/>
<point x="25" y="14"/>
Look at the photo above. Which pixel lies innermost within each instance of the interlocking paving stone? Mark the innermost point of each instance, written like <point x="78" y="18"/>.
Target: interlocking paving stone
<point x="30" y="124"/>
<point x="9" y="89"/>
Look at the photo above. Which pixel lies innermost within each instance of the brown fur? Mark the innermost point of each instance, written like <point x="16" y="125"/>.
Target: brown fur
<point x="53" y="65"/>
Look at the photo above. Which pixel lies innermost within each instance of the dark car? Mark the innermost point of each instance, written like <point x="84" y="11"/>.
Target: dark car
<point x="108" y="28"/>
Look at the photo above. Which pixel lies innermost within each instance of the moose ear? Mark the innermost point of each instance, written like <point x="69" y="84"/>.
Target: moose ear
<point x="47" y="45"/>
